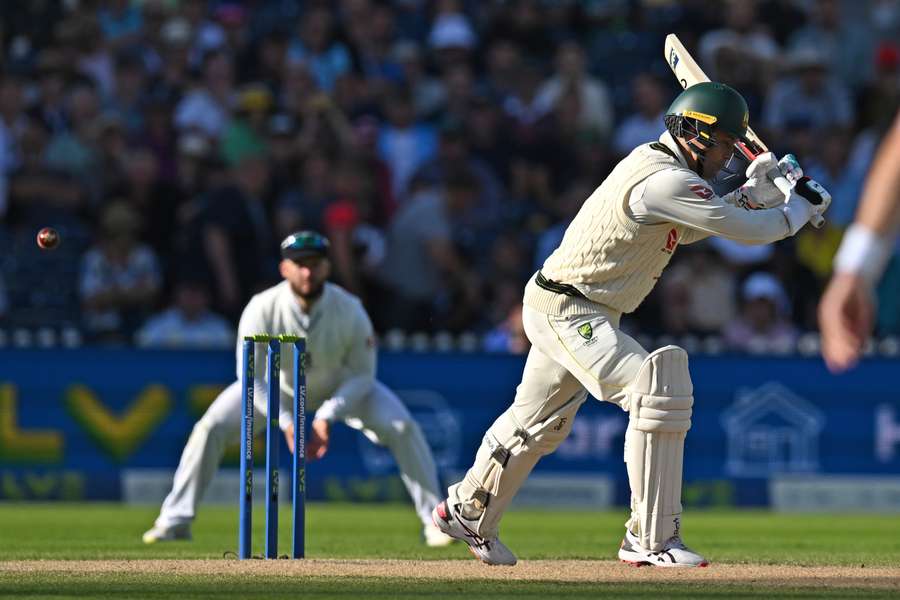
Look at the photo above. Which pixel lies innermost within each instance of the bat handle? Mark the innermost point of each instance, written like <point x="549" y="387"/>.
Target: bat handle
<point x="785" y="186"/>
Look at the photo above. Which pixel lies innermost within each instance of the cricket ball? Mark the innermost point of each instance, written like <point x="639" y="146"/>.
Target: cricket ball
<point x="47" y="238"/>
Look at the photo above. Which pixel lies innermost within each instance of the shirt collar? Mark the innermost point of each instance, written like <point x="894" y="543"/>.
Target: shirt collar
<point x="669" y="142"/>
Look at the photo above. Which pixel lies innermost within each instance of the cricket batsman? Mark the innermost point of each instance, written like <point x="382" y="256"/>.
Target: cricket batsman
<point x="341" y="387"/>
<point x="610" y="258"/>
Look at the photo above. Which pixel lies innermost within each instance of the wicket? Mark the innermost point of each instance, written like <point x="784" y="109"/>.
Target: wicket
<point x="298" y="480"/>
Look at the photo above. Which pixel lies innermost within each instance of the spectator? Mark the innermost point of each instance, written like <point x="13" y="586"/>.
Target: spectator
<point x="120" y="277"/>
<point x="248" y="128"/>
<point x="649" y="100"/>
<point x="842" y="178"/>
<point x="452" y="39"/>
<point x="206" y="107"/>
<point x="370" y="28"/>
<point x="459" y="85"/>
<point x="303" y="206"/>
<point x="188" y="322"/>
<point x="503" y="65"/>
<point x="127" y="100"/>
<point x="74" y="150"/>
<point x="157" y="202"/>
<point x="743" y="52"/>
<point x="569" y="203"/>
<point x="816" y="249"/>
<point x="593" y="95"/>
<point x="763" y="324"/>
<point x="524" y="24"/>
<point x="426" y="276"/>
<point x="427" y="92"/>
<point x="453" y="156"/>
<point x="238" y="243"/>
<point x="38" y="192"/>
<point x="697" y="293"/>
<point x="50" y="107"/>
<point x="4" y="301"/>
<point x="404" y="143"/>
<point x="782" y="18"/>
<point x="160" y="137"/>
<point x="12" y="125"/>
<point x="509" y="336"/>
<point x="521" y="103"/>
<point x="120" y="22"/>
<point x="94" y="59"/>
<point x="845" y="45"/>
<point x="174" y="50"/>
<point x="315" y="45"/>
<point x="880" y="99"/>
<point x="111" y="145"/>
<point x="808" y="93"/>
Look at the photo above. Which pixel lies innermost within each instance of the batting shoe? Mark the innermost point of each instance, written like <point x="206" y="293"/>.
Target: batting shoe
<point x="434" y="537"/>
<point x="673" y="554"/>
<point x="167" y="534"/>
<point x="490" y="551"/>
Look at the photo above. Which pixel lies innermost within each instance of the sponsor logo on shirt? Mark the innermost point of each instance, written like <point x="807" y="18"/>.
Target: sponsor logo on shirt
<point x="671" y="241"/>
<point x="701" y="191"/>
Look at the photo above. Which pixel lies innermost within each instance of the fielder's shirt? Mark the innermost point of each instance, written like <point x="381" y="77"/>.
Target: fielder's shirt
<point x="340" y="346"/>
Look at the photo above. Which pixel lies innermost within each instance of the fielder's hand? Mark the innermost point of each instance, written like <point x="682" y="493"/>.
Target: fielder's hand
<point x="318" y="440"/>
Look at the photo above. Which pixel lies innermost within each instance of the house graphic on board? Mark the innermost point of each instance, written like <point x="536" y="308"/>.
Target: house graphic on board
<point x="771" y="430"/>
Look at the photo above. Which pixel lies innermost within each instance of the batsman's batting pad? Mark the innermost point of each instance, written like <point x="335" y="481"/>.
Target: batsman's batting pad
<point x="660" y="400"/>
<point x="508" y="453"/>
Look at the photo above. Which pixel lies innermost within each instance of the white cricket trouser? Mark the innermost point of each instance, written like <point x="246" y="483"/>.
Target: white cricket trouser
<point x="562" y="366"/>
<point x="381" y="416"/>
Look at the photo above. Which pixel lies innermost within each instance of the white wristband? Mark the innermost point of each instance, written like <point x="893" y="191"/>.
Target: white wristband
<point x="862" y="251"/>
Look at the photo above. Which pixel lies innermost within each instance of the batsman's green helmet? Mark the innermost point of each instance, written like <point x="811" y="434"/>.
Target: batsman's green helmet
<point x="708" y="107"/>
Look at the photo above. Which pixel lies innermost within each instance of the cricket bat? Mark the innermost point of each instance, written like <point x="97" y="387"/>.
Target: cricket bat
<point x="688" y="73"/>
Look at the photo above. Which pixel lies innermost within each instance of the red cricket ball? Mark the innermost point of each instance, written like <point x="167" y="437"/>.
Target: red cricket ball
<point x="48" y="238"/>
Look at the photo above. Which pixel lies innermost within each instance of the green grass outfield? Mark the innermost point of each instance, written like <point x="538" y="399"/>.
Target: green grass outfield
<point x="111" y="532"/>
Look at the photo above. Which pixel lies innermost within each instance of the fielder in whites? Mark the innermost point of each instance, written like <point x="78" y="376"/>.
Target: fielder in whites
<point x="341" y="386"/>
<point x="610" y="258"/>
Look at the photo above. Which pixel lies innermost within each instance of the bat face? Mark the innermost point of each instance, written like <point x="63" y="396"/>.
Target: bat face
<point x="673" y="64"/>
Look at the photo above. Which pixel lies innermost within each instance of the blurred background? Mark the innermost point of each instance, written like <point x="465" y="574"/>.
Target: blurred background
<point x="443" y="146"/>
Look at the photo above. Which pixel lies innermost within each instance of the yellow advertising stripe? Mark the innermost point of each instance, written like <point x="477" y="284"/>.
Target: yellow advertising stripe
<point x="40" y="446"/>
<point x="119" y="436"/>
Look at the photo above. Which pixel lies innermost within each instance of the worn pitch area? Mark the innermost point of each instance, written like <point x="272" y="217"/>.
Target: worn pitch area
<point x="774" y="576"/>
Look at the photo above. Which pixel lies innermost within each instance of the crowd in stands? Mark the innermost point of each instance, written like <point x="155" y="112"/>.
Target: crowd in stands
<point x="442" y="145"/>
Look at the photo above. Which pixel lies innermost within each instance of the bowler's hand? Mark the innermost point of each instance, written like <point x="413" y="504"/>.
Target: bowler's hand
<point x="846" y="319"/>
<point x="318" y="441"/>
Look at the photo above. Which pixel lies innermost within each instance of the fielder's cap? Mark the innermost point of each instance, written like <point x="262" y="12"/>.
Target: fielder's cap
<point x="302" y="244"/>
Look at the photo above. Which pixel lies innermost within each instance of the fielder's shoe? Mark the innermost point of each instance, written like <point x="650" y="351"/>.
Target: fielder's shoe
<point x="673" y="554"/>
<point x="490" y="551"/>
<point x="435" y="538"/>
<point x="167" y="534"/>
